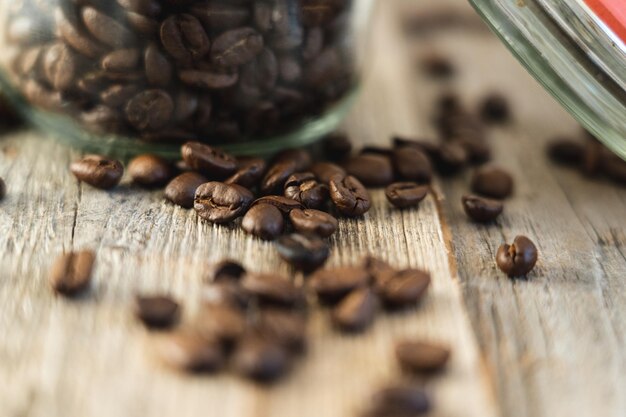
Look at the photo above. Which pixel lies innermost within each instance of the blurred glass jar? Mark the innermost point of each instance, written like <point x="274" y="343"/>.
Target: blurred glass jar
<point x="129" y="76"/>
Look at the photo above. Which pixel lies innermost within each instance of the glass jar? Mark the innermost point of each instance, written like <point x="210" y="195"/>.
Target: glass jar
<point x="577" y="50"/>
<point x="130" y="76"/>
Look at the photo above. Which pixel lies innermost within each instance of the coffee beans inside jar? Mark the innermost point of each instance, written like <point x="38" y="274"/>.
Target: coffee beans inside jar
<point x="159" y="71"/>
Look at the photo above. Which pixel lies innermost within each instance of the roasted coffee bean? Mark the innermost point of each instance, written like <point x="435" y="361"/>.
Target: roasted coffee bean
<point x="372" y="170"/>
<point x="184" y="38"/>
<point x="106" y="29"/>
<point x="158" y="69"/>
<point x="406" y="194"/>
<point x="188" y="351"/>
<point x="221" y="203"/>
<point x="218" y="16"/>
<point x="303" y="252"/>
<point x="324" y="171"/>
<point x="149" y="170"/>
<point x="71" y="272"/>
<point x="3" y="189"/>
<point x="326" y="66"/>
<point x="495" y="109"/>
<point x="272" y="289"/>
<point x="331" y="285"/>
<point x="418" y="356"/>
<point x="437" y="66"/>
<point x="517" y="259"/>
<point x="118" y="94"/>
<point x="480" y="209"/>
<point x="477" y="150"/>
<point x="261" y="360"/>
<point x="284" y="204"/>
<point x="492" y="181"/>
<point x="349" y="195"/>
<point x="236" y="47"/>
<point x="98" y="171"/>
<point x="615" y="168"/>
<point x="430" y="149"/>
<point x="274" y="180"/>
<point x="142" y="25"/>
<point x="226" y="292"/>
<point x="309" y="221"/>
<point x="150" y="110"/>
<point x="220" y="322"/>
<point x="121" y="60"/>
<point x="337" y="147"/>
<point x="404" y="287"/>
<point x="182" y="189"/>
<point x="249" y="173"/>
<point x="157" y="311"/>
<point x="412" y="164"/>
<point x="450" y="158"/>
<point x="300" y="157"/>
<point x="400" y="399"/>
<point x="356" y="311"/>
<point x="60" y="66"/>
<point x="70" y="30"/>
<point x="566" y="151"/>
<point x="379" y="270"/>
<point x="287" y="328"/>
<point x="259" y="75"/>
<point x="304" y="188"/>
<point x="209" y="80"/>
<point x="208" y="160"/>
<point x="264" y="221"/>
<point x="227" y="270"/>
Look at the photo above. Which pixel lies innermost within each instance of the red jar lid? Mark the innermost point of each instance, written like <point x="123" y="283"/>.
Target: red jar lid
<point x="612" y="13"/>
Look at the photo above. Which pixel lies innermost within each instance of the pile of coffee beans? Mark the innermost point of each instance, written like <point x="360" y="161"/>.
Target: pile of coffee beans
<point x="175" y="70"/>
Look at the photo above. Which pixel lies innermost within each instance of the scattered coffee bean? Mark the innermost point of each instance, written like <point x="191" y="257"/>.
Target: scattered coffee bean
<point x="3" y="189"/>
<point x="221" y="203"/>
<point x="98" y="171"/>
<point x="404" y="287"/>
<point x="208" y="160"/>
<point x="418" y="356"/>
<point x="349" y="195"/>
<point x="264" y="221"/>
<point x="356" y="311"/>
<point x="478" y="151"/>
<point x="158" y="311"/>
<point x="276" y="176"/>
<point x="227" y="270"/>
<point x="188" y="351"/>
<point x="371" y="169"/>
<point x="287" y="328"/>
<point x="492" y="181"/>
<point x="220" y="322"/>
<point x="482" y="210"/>
<point x="150" y="110"/>
<point x="331" y="285"/>
<point x="303" y="252"/>
<point x="261" y="360"/>
<point x="428" y="148"/>
<point x="412" y="164"/>
<point x="249" y="173"/>
<point x="71" y="272"/>
<point x="182" y="189"/>
<point x="495" y="109"/>
<point x="437" y="66"/>
<point x="379" y="270"/>
<point x="309" y="221"/>
<point x="337" y="147"/>
<point x="566" y="151"/>
<point x="324" y="171"/>
<point x="406" y="194"/>
<point x="149" y="170"/>
<point x="450" y="158"/>
<point x="284" y="204"/>
<point x="272" y="289"/>
<point x="304" y="188"/>
<point x="400" y="399"/>
<point x="517" y="259"/>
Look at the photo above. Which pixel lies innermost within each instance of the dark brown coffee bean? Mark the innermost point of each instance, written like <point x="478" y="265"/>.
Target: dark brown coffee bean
<point x="615" y="168"/>
<point x="106" y="29"/>
<point x="259" y="75"/>
<point x="379" y="270"/>
<point x="220" y="322"/>
<point x="221" y="203"/>
<point x="326" y="66"/>
<point x="492" y="182"/>
<point x="349" y="196"/>
<point x="372" y="170"/>
<point x="226" y="292"/>
<point x="303" y="252"/>
<point x="356" y="311"/>
<point x="118" y="94"/>
<point x="158" y="69"/>
<point x="566" y="151"/>
<point x="121" y="60"/>
<point x="149" y="170"/>
<point x="71" y="32"/>
<point x="480" y="209"/>
<point x="184" y="38"/>
<point x="274" y="180"/>
<point x="182" y="189"/>
<point x="236" y="47"/>
<point x="300" y="157"/>
<point x="309" y="221"/>
<point x="3" y="189"/>
<point x="71" y="272"/>
<point x="331" y="285"/>
<point x="324" y="171"/>
<point x="304" y="188"/>
<point x="209" y="80"/>
<point x="429" y="148"/>
<point x="495" y="109"/>
<point x="406" y="194"/>
<point x="188" y="351"/>
<point x="287" y="328"/>
<point x="404" y="287"/>
<point x="261" y="360"/>
<point x="451" y="158"/>
<point x="284" y="204"/>
<point x="157" y="311"/>
<point x="412" y="164"/>
<point x="150" y="110"/>
<point x="208" y="160"/>
<point x="98" y="171"/>
<point x="60" y="66"/>
<point x="400" y="399"/>
<point x="337" y="147"/>
<point x="418" y="356"/>
<point x="437" y="66"/>
<point x="477" y="150"/>
<point x="249" y="173"/>
<point x="218" y="16"/>
<point x="264" y="221"/>
<point x="517" y="259"/>
<point x="272" y="289"/>
<point x="228" y="270"/>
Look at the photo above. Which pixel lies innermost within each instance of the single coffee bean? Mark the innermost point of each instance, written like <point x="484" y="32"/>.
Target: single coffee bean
<point x="249" y="173"/>
<point x="349" y="195"/>
<point x="478" y="150"/>
<point x="227" y="270"/>
<point x="272" y="289"/>
<point x="121" y="60"/>
<point x="182" y="189"/>
<point x="106" y="29"/>
<point x="356" y="311"/>
<point x="226" y="292"/>
<point x="209" y="80"/>
<point x="303" y="252"/>
<point x="3" y="189"/>
<point x="276" y="176"/>
<point x="302" y="158"/>
<point x="565" y="151"/>
<point x="482" y="210"/>
<point x="184" y="38"/>
<point x="451" y="158"/>
<point x="517" y="259"/>
<point x="264" y="221"/>
<point x="220" y="322"/>
<point x="60" y="66"/>
<point x="412" y="164"/>
<point x="492" y="182"/>
<point x="303" y="187"/>
<point x="309" y="221"/>
<point x="210" y="161"/>
<point x="157" y="311"/>
<point x="324" y="171"/>
<point x="379" y="270"/>
<point x="71" y="272"/>
<point x="404" y="287"/>
<point x="284" y="204"/>
<point x="400" y="399"/>
<point x="372" y="170"/>
<point x="150" y="110"/>
<point x="261" y="360"/>
<point x="418" y="356"/>
<point x="221" y="203"/>
<point x="236" y="47"/>
<point x="98" y="171"/>
<point x="438" y="66"/>
<point x="331" y="285"/>
<point x="287" y="328"/>
<point x="149" y="170"/>
<point x="188" y="351"/>
<point x="406" y="194"/>
<point x="495" y="109"/>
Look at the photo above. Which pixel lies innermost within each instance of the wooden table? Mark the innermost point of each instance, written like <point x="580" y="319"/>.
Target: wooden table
<point x="551" y="345"/>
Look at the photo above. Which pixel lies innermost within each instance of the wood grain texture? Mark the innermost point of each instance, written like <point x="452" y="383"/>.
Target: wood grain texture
<point x="89" y="358"/>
